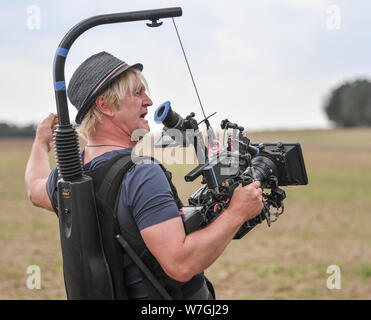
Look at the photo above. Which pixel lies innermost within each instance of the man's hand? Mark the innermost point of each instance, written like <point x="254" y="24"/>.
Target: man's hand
<point x="247" y="201"/>
<point x="45" y="130"/>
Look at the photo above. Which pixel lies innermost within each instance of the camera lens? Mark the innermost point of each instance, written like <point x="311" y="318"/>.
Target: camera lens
<point x="263" y="168"/>
<point x="170" y="119"/>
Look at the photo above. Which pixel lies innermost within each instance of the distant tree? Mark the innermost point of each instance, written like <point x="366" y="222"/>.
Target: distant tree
<point x="11" y="130"/>
<point x="350" y="104"/>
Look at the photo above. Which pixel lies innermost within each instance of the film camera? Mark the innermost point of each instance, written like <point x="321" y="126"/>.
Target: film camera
<point x="234" y="161"/>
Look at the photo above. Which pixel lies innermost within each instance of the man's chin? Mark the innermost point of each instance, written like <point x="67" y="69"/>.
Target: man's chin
<point x="146" y="128"/>
<point x="144" y="125"/>
<point x="138" y="134"/>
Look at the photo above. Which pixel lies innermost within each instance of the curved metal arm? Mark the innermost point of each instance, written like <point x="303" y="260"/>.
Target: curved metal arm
<point x="65" y="139"/>
<point x="81" y="27"/>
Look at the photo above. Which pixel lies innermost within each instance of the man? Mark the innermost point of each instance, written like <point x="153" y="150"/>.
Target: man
<point x="112" y="103"/>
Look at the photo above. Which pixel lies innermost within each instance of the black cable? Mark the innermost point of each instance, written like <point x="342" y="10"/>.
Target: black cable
<point x="189" y="68"/>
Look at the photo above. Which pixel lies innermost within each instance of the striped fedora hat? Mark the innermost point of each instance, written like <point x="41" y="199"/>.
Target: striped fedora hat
<point x="92" y="77"/>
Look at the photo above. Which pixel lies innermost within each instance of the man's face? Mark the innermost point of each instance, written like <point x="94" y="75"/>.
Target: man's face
<point x="133" y="110"/>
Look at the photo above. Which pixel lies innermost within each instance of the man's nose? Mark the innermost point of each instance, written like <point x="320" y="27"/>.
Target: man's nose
<point x="147" y="101"/>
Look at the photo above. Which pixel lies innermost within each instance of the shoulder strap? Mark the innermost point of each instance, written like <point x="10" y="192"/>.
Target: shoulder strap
<point x="110" y="186"/>
<point x="141" y="265"/>
<point x="108" y="193"/>
<point x="107" y="219"/>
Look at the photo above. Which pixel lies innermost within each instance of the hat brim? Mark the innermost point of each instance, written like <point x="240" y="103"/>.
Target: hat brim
<point x="88" y="103"/>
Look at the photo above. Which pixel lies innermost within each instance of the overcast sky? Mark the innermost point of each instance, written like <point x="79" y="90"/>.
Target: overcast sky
<point x="263" y="64"/>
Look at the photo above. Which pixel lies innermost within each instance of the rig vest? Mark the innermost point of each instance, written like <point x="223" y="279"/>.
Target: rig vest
<point x="107" y="180"/>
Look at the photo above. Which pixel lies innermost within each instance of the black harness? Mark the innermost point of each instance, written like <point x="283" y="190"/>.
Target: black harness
<point x="107" y="180"/>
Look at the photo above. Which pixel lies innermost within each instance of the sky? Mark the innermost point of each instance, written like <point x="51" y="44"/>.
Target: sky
<point x="263" y="64"/>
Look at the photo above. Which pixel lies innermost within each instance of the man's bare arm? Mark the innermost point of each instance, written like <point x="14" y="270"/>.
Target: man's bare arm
<point x="38" y="168"/>
<point x="182" y="256"/>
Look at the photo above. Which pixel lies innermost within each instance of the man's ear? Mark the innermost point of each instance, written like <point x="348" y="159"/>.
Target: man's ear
<point x="109" y="112"/>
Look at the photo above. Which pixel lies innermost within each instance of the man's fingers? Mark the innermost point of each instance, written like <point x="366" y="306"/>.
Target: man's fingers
<point x="51" y="117"/>
<point x="55" y="120"/>
<point x="255" y="184"/>
<point x="51" y="120"/>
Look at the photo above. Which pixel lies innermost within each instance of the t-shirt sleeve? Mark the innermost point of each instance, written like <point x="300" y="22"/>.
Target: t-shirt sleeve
<point x="51" y="189"/>
<point x="148" y="195"/>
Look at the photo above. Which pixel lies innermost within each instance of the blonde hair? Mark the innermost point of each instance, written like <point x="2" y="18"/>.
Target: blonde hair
<point x="129" y="82"/>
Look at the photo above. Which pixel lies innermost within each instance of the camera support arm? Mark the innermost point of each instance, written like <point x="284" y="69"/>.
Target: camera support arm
<point x="80" y="28"/>
<point x="59" y="63"/>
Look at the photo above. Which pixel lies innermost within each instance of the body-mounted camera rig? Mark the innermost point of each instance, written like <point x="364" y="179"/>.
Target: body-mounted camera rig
<point x="234" y="162"/>
<point x="85" y="268"/>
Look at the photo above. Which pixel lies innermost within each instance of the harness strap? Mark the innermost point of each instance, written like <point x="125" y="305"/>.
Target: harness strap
<point x="117" y="173"/>
<point x="114" y="174"/>
<point x="136" y="259"/>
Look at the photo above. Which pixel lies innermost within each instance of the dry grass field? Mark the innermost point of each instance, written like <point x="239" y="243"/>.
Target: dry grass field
<point x="325" y="223"/>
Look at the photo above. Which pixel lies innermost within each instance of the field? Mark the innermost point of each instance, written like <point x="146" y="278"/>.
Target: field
<point x="325" y="223"/>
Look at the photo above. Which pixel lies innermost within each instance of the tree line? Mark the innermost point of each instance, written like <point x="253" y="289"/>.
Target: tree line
<point x="13" y="131"/>
<point x="348" y="105"/>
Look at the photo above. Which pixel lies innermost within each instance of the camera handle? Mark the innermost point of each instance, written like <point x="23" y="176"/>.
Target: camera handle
<point x="274" y="199"/>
